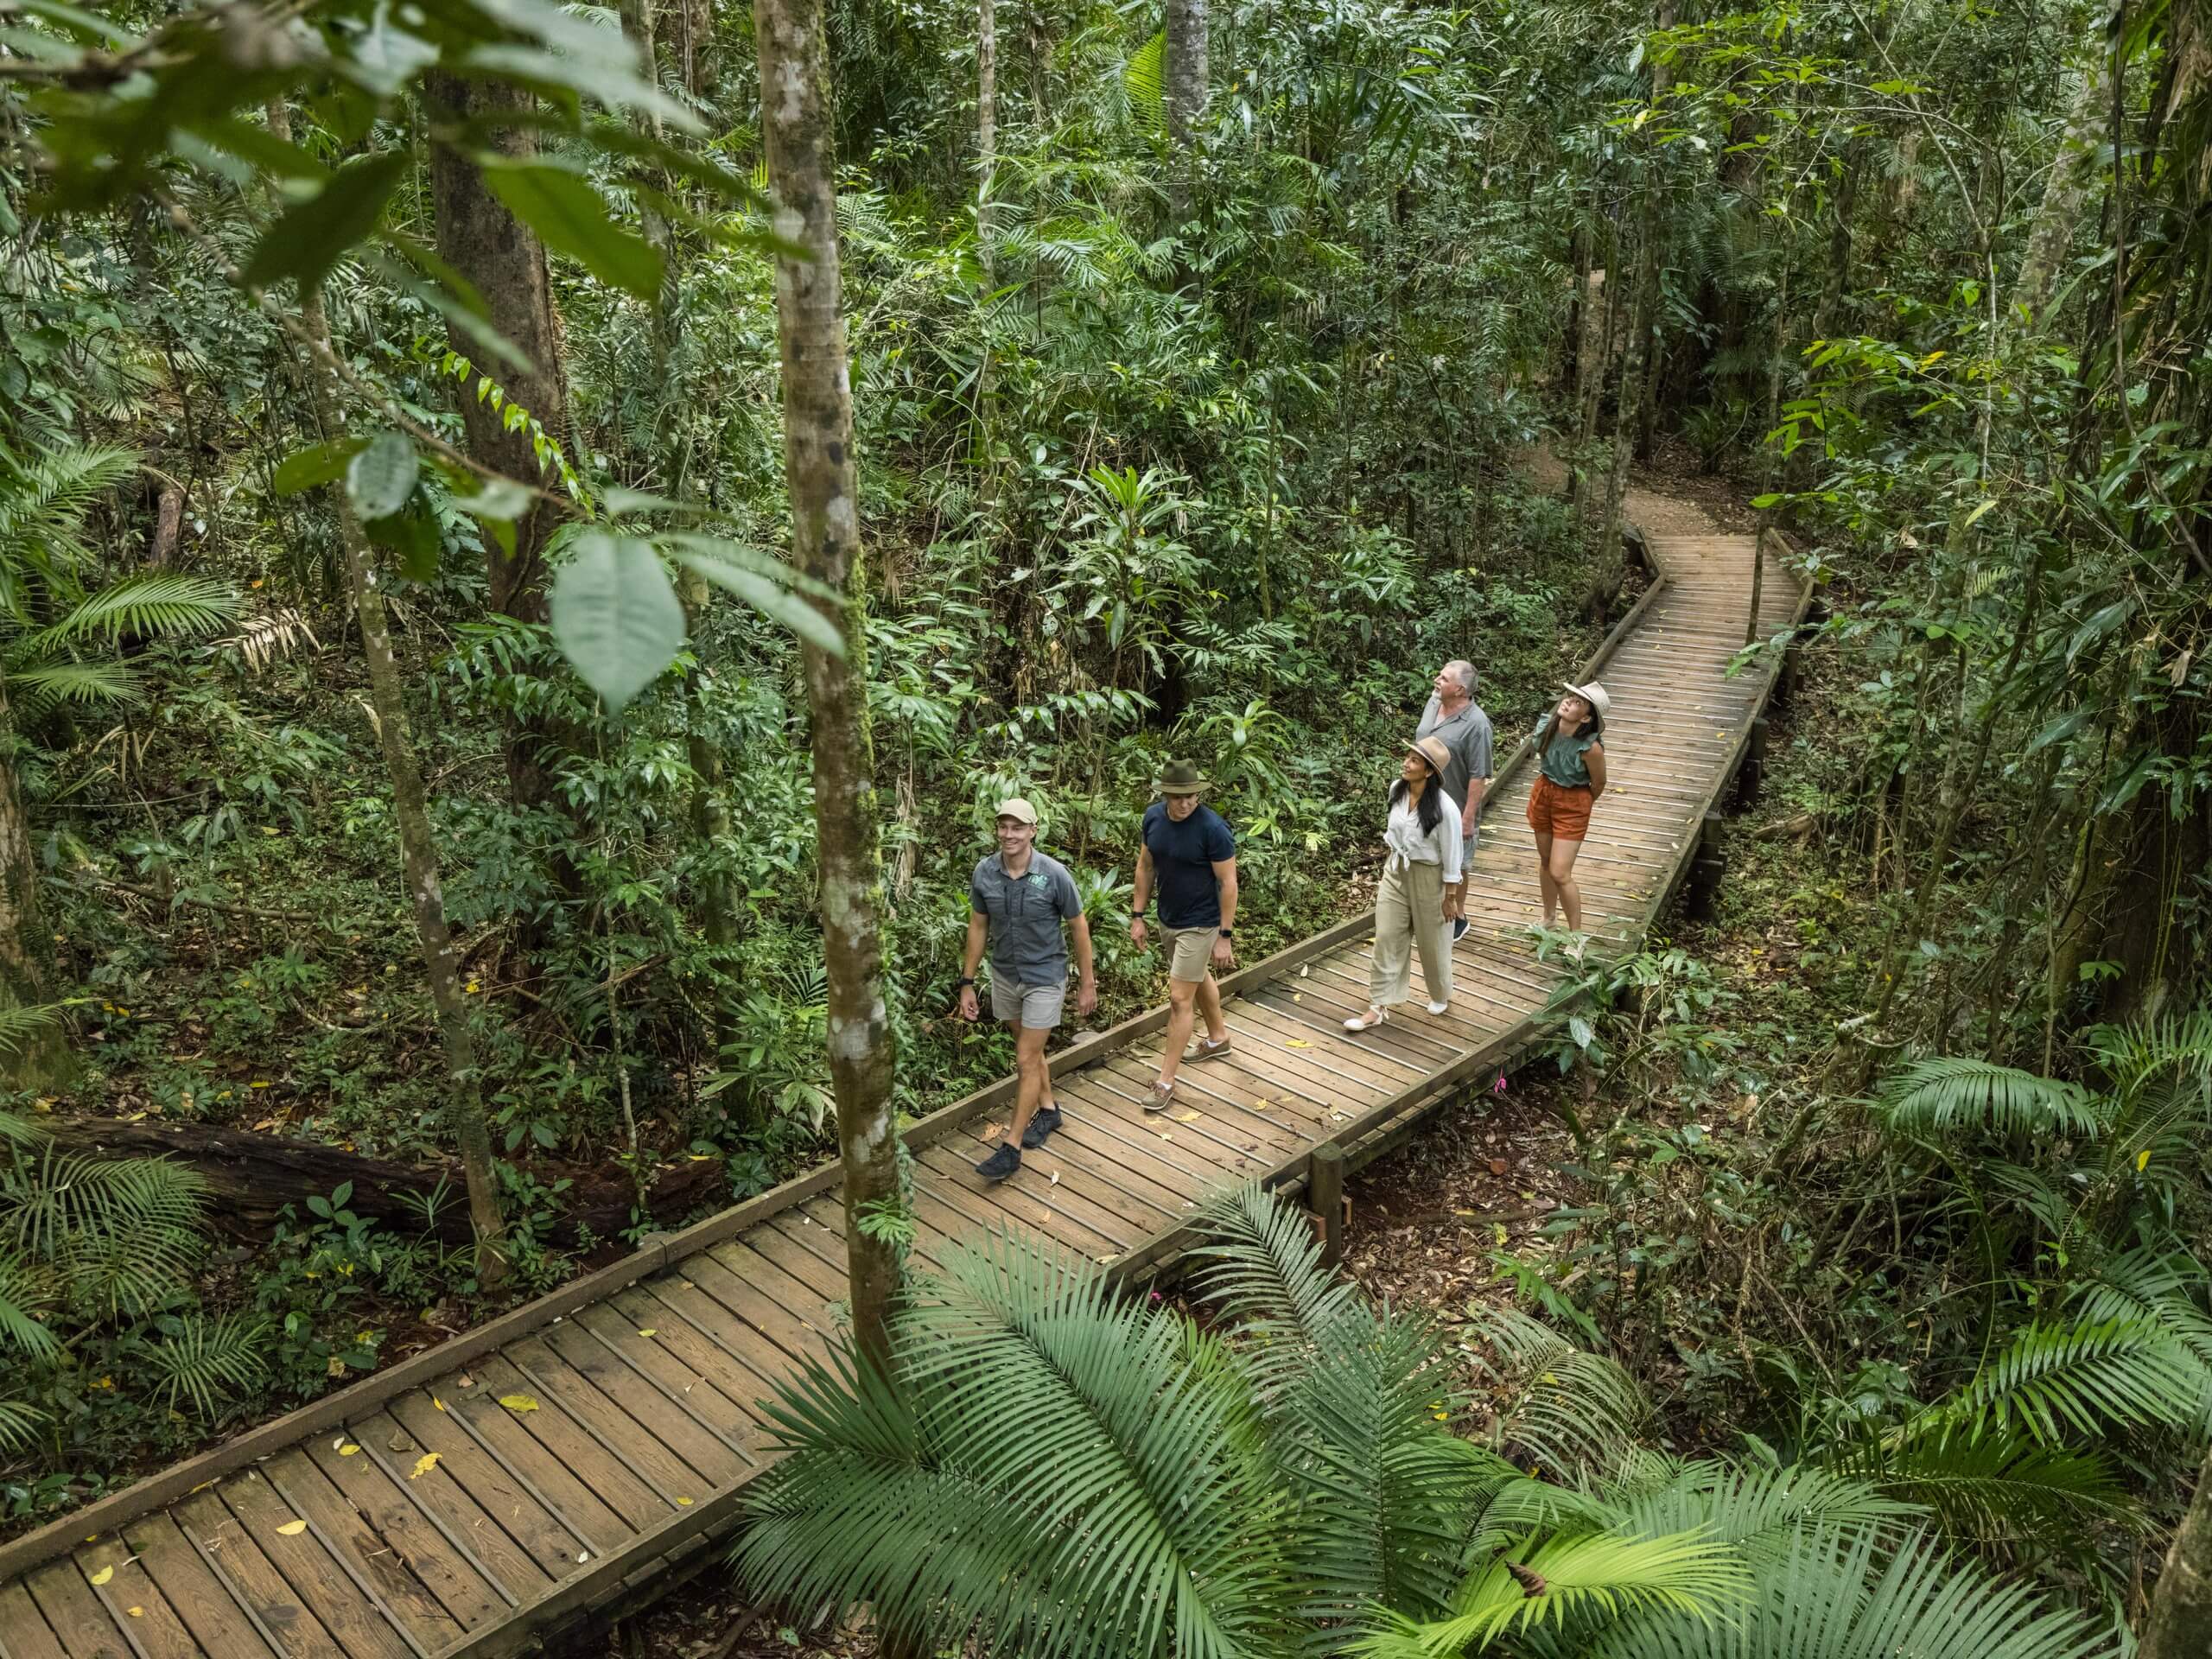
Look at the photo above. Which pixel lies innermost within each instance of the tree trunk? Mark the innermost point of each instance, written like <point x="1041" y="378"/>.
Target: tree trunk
<point x="504" y="258"/>
<point x="418" y="853"/>
<point x="823" y="478"/>
<point x="1605" y="581"/>
<point x="987" y="125"/>
<point x="2072" y="173"/>
<point x="1185" y="95"/>
<point x="2179" y="1624"/>
<point x="40" y="1059"/>
<point x="1765" y="521"/>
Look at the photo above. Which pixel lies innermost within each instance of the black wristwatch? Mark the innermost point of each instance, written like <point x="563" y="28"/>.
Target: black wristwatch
<point x="1226" y="933"/>
<point x="962" y="982"/>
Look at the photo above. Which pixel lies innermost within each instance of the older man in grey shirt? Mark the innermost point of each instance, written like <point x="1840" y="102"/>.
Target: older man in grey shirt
<point x="1453" y="716"/>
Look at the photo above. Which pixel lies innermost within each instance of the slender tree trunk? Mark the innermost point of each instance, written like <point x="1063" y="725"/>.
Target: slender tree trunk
<point x="1188" y="25"/>
<point x="2072" y="173"/>
<point x="1765" y="521"/>
<point x="987" y="126"/>
<point x="42" y="1057"/>
<point x="2179" y="1624"/>
<point x="821" y="474"/>
<point x="505" y="261"/>
<point x="1636" y="365"/>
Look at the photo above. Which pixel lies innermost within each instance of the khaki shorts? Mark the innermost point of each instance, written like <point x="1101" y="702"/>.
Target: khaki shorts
<point x="1034" y="1008"/>
<point x="1189" y="949"/>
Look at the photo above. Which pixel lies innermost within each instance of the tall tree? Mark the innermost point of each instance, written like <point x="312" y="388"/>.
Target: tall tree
<point x="40" y="1055"/>
<point x="823" y="478"/>
<point x="505" y="260"/>
<point x="1188" y="25"/>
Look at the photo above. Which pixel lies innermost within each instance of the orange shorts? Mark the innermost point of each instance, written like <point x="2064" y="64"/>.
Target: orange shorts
<point x="1563" y="814"/>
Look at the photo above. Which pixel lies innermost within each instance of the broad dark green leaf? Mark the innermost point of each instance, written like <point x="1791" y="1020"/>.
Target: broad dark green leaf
<point x="615" y="615"/>
<point x="311" y="236"/>
<point x="381" y="478"/>
<point x="316" y="465"/>
<point x="413" y="535"/>
<point x="567" y="214"/>
<point x="773" y="601"/>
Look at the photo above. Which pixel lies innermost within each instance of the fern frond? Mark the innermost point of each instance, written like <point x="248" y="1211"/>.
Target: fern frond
<point x="1936" y="1096"/>
<point x="209" y="1362"/>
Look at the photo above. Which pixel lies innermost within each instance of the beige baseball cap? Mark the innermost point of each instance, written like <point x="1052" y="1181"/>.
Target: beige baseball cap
<point x="1019" y="809"/>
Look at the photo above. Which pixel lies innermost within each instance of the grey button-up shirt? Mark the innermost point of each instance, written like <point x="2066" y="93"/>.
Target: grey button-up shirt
<point x="1026" y="913"/>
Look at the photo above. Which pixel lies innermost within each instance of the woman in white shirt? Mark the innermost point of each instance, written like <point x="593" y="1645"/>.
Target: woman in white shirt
<point x="1414" y="905"/>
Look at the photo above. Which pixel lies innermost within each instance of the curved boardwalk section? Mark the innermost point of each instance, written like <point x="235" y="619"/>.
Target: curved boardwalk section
<point x="560" y="1459"/>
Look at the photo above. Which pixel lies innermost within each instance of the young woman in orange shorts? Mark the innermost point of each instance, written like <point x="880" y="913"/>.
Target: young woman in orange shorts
<point x="1571" y="762"/>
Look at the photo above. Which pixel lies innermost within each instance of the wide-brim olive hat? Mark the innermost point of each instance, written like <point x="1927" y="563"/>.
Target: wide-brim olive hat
<point x="1179" y="778"/>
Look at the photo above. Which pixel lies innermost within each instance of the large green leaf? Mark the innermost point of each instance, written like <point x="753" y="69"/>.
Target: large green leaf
<point x="569" y="217"/>
<point x="381" y="478"/>
<point x="615" y="615"/>
<point x="311" y="236"/>
<point x="316" y="465"/>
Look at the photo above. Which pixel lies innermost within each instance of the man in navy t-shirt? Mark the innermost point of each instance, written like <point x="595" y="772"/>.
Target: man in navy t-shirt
<point x="1191" y="856"/>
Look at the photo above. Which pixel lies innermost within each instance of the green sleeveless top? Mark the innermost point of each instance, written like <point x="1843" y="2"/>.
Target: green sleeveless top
<point x="1562" y="760"/>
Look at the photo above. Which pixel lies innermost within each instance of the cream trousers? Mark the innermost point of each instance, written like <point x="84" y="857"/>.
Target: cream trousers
<point x="1409" y="911"/>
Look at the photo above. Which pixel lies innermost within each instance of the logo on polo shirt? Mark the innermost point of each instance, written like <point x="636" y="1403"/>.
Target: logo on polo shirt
<point x="1039" y="880"/>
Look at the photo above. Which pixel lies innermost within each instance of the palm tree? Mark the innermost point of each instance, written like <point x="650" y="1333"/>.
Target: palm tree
<point x="56" y="641"/>
<point x="1050" y="1467"/>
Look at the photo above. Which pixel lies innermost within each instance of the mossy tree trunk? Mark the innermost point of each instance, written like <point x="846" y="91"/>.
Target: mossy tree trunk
<point x="41" y="1059"/>
<point x="823" y="478"/>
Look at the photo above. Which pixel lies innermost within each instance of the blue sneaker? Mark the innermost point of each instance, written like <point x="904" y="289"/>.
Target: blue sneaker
<point x="1000" y="1164"/>
<point x="1046" y="1120"/>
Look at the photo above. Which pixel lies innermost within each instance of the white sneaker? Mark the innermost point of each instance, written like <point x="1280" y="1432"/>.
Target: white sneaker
<point x="1439" y="1008"/>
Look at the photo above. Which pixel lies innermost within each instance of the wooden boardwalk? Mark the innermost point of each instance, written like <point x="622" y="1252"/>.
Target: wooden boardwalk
<point x="564" y="1459"/>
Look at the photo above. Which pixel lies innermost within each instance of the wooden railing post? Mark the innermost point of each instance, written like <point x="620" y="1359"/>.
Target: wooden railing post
<point x="1752" y="773"/>
<point x="1708" y="869"/>
<point x="1324" y="1195"/>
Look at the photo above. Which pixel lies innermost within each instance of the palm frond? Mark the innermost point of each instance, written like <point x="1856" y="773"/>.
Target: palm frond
<point x="1687" y="1576"/>
<point x="27" y="1289"/>
<point x="1844" y="1595"/>
<point x="20" y="1423"/>
<point x="18" y="1025"/>
<point x="1568" y="1410"/>
<point x="2178" y="1047"/>
<point x="2001" y="1489"/>
<point x="1261" y="1263"/>
<point x="160" y="605"/>
<point x="45" y="685"/>
<point x="2086" y="1379"/>
<point x="2159" y="1287"/>
<point x="121" y="1233"/>
<point x="209" y="1362"/>
<point x="1144" y="79"/>
<point x="1056" y="1472"/>
<point x="1934" y="1097"/>
<point x="43" y="501"/>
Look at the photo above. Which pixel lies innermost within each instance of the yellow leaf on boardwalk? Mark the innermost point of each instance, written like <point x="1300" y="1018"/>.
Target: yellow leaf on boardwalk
<point x="424" y="1464"/>
<point x="291" y="1528"/>
<point x="517" y="1402"/>
<point x="1186" y="1117"/>
<point x="135" y="1613"/>
<point x="648" y="1331"/>
<point x="103" y="1575"/>
<point x="348" y="1449"/>
<point x="1296" y="1042"/>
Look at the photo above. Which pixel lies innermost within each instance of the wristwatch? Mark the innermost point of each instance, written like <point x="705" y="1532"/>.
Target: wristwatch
<point x="962" y="982"/>
<point x="1226" y="933"/>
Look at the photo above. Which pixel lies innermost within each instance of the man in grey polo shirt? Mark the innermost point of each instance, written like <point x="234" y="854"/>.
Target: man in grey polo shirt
<point x="1018" y="898"/>
<point x="1453" y="716"/>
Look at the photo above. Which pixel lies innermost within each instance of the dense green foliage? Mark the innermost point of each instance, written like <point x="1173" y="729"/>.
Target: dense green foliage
<point x="1178" y="433"/>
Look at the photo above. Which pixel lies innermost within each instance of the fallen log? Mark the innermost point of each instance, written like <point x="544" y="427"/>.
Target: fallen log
<point x="253" y="1176"/>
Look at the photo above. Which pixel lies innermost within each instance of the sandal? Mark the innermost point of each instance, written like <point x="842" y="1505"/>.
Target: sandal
<point x="1368" y="1020"/>
<point x="1163" y="1096"/>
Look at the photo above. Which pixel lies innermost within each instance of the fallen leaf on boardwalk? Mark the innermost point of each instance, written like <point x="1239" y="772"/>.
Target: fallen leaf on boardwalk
<point x="340" y="1441"/>
<point x="291" y="1528"/>
<point x="517" y="1402"/>
<point x="648" y="1331"/>
<point x="439" y="1403"/>
<point x="1056" y="1178"/>
<point x="1166" y="1136"/>
<point x="103" y="1575"/>
<point x="1186" y="1117"/>
<point x="683" y="1501"/>
<point x="135" y="1613"/>
<point x="424" y="1464"/>
<point x="348" y="1449"/>
<point x="1298" y="996"/>
<point x="1296" y="1042"/>
<point x="1499" y="1166"/>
